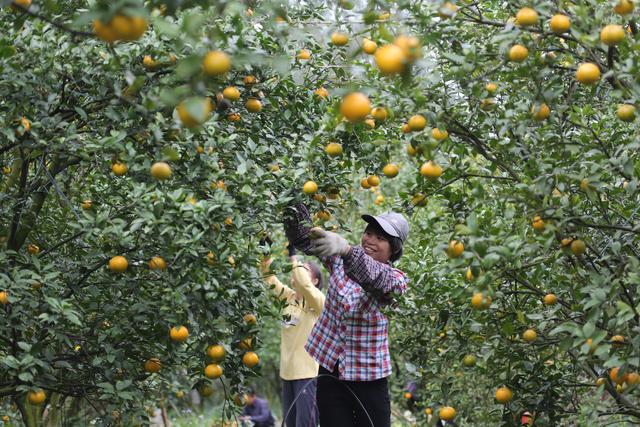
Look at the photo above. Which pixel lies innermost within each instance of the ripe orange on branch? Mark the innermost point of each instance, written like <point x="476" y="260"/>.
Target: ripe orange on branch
<point x="431" y="170"/>
<point x="538" y="223"/>
<point x="310" y="187"/>
<point x="246" y="344"/>
<point x="253" y="105"/>
<point x="540" y="112"/>
<point x="455" y="249"/>
<point x="26" y="125"/>
<point x="231" y="93"/>
<point x="194" y="118"/>
<point x="120" y="27"/>
<point x="560" y="23"/>
<point x="624" y="7"/>
<point x="529" y="335"/>
<point x="369" y="47"/>
<point x="491" y="87"/>
<point x="526" y="17"/>
<point x="157" y="263"/>
<point x="379" y="113"/>
<point x="617" y="341"/>
<point x="410" y="45"/>
<point x="518" y="53"/>
<point x="333" y="149"/>
<point x="626" y="112"/>
<point x="119" y="169"/>
<point x="213" y="371"/>
<point x="161" y="171"/>
<point x="304" y="54"/>
<point x="118" y="264"/>
<point x="391" y="170"/>
<point x="321" y="93"/>
<point x="149" y="63"/>
<point x="447" y="413"/>
<point x="216" y="352"/>
<point x="578" y="247"/>
<point x="152" y="365"/>
<point x="439" y="135"/>
<point x="612" y="34"/>
<point x="373" y="180"/>
<point x="616" y="377"/>
<point x="179" y="333"/>
<point x="250" y="319"/>
<point x="23" y="3"/>
<point x="504" y="395"/>
<point x="36" y="397"/>
<point x="339" y="39"/>
<point x="390" y="59"/>
<point x="216" y="63"/>
<point x="479" y="301"/>
<point x="355" y="106"/>
<point x="250" y="359"/>
<point x="588" y="73"/>
<point x="417" y="122"/>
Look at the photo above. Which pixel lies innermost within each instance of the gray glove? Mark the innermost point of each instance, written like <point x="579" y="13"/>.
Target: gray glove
<point x="325" y="243"/>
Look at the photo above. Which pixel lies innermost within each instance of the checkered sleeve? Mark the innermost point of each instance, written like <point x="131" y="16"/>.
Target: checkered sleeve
<point x="379" y="279"/>
<point x="296" y="227"/>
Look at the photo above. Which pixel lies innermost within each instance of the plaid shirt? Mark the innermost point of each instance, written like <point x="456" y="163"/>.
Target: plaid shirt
<point x="352" y="330"/>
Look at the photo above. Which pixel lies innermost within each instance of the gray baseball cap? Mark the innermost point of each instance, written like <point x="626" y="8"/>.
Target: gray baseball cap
<point x="393" y="223"/>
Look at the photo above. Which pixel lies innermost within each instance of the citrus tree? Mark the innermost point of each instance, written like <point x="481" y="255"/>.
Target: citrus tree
<point x="530" y="293"/>
<point x="148" y="147"/>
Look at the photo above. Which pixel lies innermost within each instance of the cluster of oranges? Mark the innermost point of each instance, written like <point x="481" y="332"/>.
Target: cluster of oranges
<point x="216" y="354"/>
<point x="120" y="28"/>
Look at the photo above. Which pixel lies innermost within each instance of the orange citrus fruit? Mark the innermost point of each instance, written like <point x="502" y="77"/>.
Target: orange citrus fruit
<point x="118" y="264"/>
<point x="213" y="371"/>
<point x="355" y="106"/>
<point x="504" y="395"/>
<point x="216" y="352"/>
<point x="179" y="333"/>
<point x="588" y="73"/>
<point x="250" y="359"/>
<point x="216" y="63"/>
<point x="390" y="59"/>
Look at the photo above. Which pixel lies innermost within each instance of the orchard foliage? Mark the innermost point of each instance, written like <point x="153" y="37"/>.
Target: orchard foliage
<point x="175" y="134"/>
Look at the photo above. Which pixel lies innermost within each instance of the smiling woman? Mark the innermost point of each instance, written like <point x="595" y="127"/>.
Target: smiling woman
<point x="350" y="340"/>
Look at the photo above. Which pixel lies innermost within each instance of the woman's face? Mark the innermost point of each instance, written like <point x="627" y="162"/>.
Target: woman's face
<point x="376" y="245"/>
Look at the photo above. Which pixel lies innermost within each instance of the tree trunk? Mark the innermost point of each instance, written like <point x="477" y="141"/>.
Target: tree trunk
<point x="31" y="414"/>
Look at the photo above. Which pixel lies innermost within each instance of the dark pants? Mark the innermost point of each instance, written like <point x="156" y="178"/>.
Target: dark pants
<point x="339" y="407"/>
<point x="304" y="413"/>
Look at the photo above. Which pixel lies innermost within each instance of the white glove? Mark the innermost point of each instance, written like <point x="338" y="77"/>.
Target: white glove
<point x="325" y="243"/>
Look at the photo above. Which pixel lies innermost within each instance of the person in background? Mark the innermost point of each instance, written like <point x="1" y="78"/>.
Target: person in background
<point x="411" y="395"/>
<point x="526" y="419"/>
<point x="256" y="409"/>
<point x="350" y="340"/>
<point x="298" y="370"/>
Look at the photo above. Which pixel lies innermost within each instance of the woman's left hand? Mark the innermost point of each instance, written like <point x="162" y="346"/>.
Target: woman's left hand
<point x="325" y="243"/>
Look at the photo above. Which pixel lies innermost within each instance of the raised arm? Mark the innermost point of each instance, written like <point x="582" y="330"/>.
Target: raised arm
<point x="279" y="289"/>
<point x="379" y="279"/>
<point x="296" y="227"/>
<point x="313" y="297"/>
